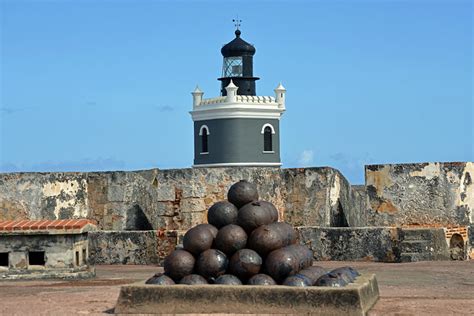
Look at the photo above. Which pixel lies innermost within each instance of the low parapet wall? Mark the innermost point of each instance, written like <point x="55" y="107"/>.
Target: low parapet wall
<point x="175" y="199"/>
<point x="401" y="195"/>
<point x="378" y="244"/>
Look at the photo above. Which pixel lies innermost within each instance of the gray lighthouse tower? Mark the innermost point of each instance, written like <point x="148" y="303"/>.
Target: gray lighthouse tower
<point x="237" y="128"/>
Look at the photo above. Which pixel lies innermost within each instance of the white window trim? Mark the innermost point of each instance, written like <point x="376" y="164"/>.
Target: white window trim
<point x="202" y="128"/>
<point x="204" y="153"/>
<point x="268" y="125"/>
<point x="268" y="152"/>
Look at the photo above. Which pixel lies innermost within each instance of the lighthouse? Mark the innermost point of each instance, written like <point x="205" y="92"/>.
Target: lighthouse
<point x="237" y="128"/>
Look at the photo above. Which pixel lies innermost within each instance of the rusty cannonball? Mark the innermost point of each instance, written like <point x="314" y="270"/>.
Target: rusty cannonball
<point x="253" y="215"/>
<point x="228" y="279"/>
<point x="160" y="279"/>
<point x="313" y="273"/>
<point x="193" y="279"/>
<point x="179" y="264"/>
<point x="230" y="238"/>
<point x="242" y="192"/>
<point x="271" y="209"/>
<point x="281" y="263"/>
<point x="331" y="280"/>
<point x="222" y="213"/>
<point x="261" y="279"/>
<point x="211" y="263"/>
<point x="211" y="228"/>
<point x="346" y="273"/>
<point x="267" y="238"/>
<point x="245" y="263"/>
<point x="198" y="239"/>
<point x="298" y="280"/>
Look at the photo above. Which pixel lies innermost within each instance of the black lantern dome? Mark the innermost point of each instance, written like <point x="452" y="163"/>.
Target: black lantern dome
<point x="238" y="66"/>
<point x="237" y="47"/>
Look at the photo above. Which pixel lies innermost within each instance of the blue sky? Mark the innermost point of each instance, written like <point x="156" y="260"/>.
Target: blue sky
<point x="105" y="85"/>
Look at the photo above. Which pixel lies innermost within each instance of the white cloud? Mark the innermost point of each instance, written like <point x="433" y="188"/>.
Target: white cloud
<point x="306" y="158"/>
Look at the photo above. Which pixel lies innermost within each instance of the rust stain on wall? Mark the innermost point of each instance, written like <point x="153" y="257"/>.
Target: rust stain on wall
<point x="380" y="179"/>
<point x="386" y="207"/>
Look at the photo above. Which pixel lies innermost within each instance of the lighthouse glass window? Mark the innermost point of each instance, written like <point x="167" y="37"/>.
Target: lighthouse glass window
<point x="232" y="67"/>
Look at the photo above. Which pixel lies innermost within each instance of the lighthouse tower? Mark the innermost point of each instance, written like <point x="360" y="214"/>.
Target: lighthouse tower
<point x="237" y="128"/>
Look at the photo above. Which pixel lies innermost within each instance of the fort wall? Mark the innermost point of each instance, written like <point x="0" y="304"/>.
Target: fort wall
<point x="404" y="212"/>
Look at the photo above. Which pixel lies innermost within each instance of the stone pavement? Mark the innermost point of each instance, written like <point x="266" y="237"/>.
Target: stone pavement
<point x="435" y="288"/>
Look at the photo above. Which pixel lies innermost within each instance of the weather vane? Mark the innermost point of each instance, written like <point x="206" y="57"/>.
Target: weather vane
<point x="237" y="22"/>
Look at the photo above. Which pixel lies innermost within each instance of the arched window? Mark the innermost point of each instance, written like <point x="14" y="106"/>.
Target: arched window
<point x="204" y="132"/>
<point x="267" y="139"/>
<point x="267" y="131"/>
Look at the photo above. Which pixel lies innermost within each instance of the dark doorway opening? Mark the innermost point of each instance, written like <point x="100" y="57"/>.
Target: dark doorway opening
<point x="137" y="220"/>
<point x="339" y="218"/>
<point x="4" y="259"/>
<point x="36" y="258"/>
<point x="456" y="247"/>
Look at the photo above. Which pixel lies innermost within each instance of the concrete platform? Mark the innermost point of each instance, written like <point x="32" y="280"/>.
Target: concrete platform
<point x="354" y="299"/>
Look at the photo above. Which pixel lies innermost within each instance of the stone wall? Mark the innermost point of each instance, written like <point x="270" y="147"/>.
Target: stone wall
<point x="423" y="194"/>
<point x="352" y="244"/>
<point x="176" y="199"/>
<point x="131" y="247"/>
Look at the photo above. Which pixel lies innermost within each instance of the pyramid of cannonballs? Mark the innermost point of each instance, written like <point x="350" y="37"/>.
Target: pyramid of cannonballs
<point x="245" y="244"/>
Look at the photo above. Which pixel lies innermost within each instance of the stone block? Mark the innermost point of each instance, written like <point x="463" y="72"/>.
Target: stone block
<point x="354" y="299"/>
<point x="423" y="194"/>
<point x="351" y="244"/>
<point x="131" y="247"/>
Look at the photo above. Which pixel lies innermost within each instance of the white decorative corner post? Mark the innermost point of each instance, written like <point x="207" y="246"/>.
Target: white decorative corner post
<point x="280" y="92"/>
<point x="197" y="97"/>
<point x="231" y="89"/>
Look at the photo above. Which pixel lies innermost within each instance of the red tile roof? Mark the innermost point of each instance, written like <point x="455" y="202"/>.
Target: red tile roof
<point x="45" y="225"/>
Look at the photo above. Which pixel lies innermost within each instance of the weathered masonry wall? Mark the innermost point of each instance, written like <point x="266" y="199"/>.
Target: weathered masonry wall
<point x="382" y="244"/>
<point x="130" y="247"/>
<point x="424" y="194"/>
<point x="177" y="199"/>
<point x="342" y="244"/>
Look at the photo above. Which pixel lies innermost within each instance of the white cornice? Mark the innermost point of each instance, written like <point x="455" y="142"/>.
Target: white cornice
<point x="237" y="110"/>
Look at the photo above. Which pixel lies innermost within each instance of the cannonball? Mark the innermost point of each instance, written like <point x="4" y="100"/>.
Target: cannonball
<point x="261" y="279"/>
<point x="299" y="280"/>
<point x="211" y="228"/>
<point x="345" y="274"/>
<point x="222" y="213"/>
<point x="228" y="279"/>
<point x="179" y="264"/>
<point x="269" y="237"/>
<point x="211" y="263"/>
<point x="193" y="279"/>
<point x="282" y="262"/>
<point x="271" y="209"/>
<point x="331" y="280"/>
<point x="349" y="272"/>
<point x="313" y="273"/>
<point x="198" y="239"/>
<point x="242" y="192"/>
<point x="160" y="279"/>
<point x="245" y="263"/>
<point x="230" y="238"/>
<point x="253" y="215"/>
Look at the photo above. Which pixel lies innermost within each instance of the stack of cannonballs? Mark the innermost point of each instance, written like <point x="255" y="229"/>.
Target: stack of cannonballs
<point x="245" y="244"/>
